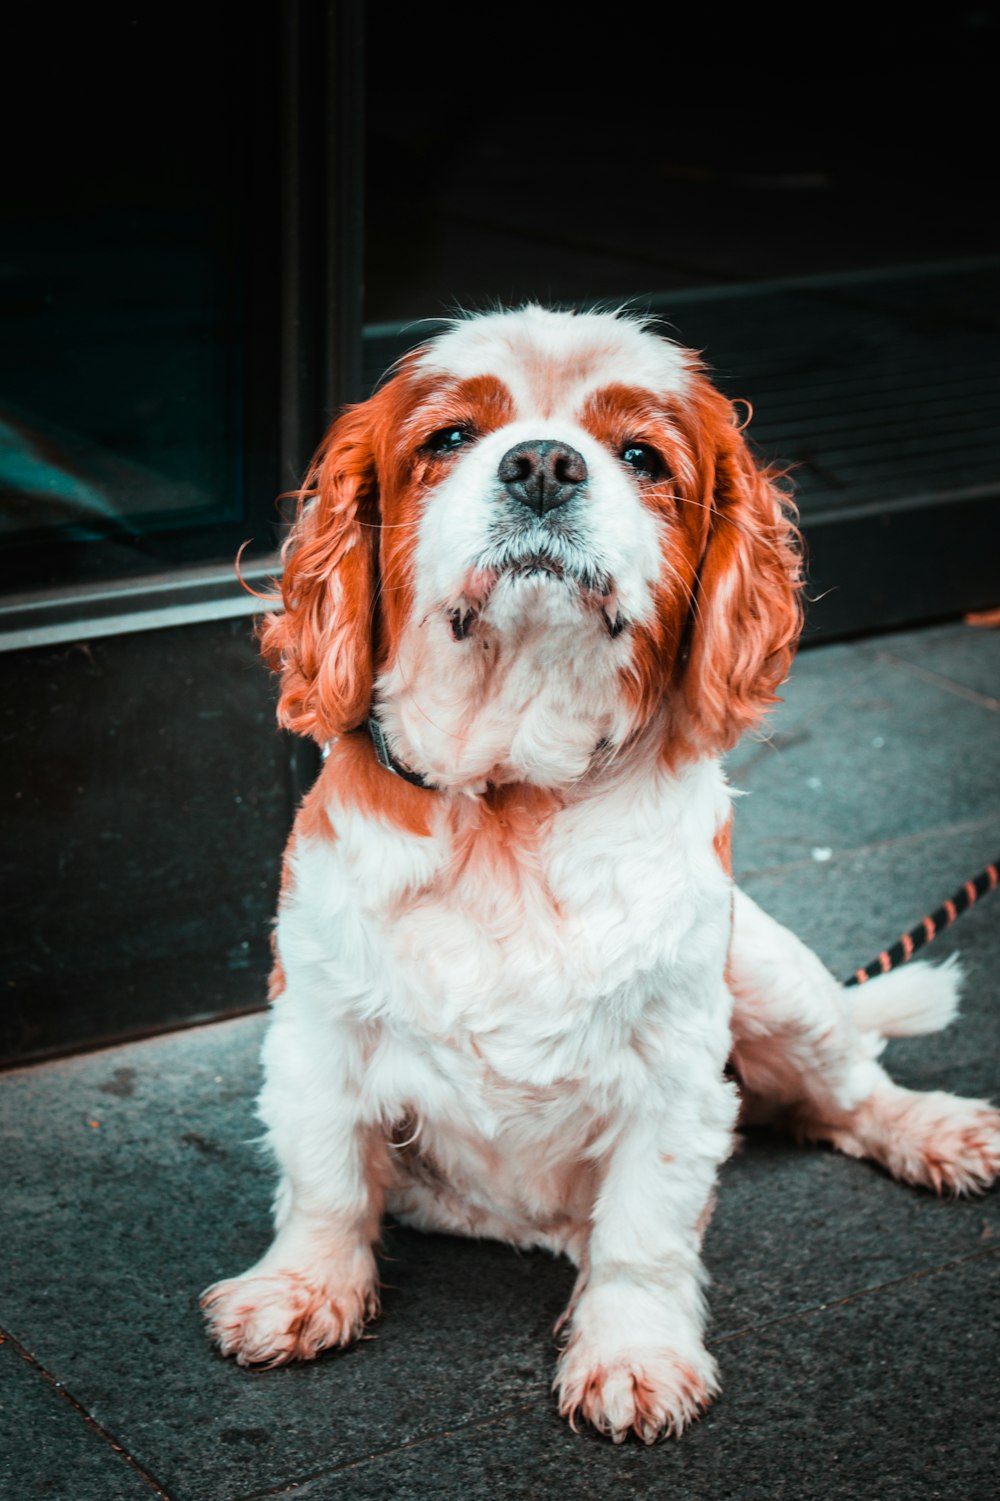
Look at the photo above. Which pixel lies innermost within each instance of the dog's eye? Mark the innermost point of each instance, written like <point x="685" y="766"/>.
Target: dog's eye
<point x="448" y="439"/>
<point x="643" y="459"/>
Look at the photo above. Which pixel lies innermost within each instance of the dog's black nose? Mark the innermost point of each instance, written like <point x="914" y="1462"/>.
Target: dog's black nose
<point x="542" y="475"/>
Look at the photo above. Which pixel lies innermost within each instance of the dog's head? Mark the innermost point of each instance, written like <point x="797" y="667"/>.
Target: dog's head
<point x="542" y="538"/>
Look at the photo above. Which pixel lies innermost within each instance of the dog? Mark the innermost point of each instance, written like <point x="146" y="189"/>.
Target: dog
<point x="536" y="588"/>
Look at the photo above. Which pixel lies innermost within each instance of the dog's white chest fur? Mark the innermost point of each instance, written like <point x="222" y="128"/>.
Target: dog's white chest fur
<point x="516" y="984"/>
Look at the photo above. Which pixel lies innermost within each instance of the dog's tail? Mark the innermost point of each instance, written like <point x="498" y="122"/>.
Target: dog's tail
<point x="909" y="1001"/>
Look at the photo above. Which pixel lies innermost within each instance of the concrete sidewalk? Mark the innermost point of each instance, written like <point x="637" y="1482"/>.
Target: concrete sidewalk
<point x="855" y="1321"/>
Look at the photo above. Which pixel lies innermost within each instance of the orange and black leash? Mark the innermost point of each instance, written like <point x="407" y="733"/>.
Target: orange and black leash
<point x="929" y="927"/>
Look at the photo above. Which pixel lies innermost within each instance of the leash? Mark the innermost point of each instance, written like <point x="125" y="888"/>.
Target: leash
<point x="929" y="927"/>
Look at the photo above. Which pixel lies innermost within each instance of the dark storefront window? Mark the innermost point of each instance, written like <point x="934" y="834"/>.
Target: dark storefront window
<point x="138" y="419"/>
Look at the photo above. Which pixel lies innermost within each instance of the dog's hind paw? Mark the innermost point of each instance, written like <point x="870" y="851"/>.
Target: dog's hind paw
<point x="936" y="1140"/>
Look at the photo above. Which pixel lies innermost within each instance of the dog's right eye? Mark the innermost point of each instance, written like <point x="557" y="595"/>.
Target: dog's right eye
<point x="643" y="459"/>
<point x="448" y="439"/>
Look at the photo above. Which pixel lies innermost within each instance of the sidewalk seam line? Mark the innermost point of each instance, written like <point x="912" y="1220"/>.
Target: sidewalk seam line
<point x="286" y="1486"/>
<point x="920" y="1275"/>
<point x="90" y="1421"/>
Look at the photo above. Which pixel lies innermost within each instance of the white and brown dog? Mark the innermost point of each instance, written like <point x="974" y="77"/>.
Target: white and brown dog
<point x="536" y="587"/>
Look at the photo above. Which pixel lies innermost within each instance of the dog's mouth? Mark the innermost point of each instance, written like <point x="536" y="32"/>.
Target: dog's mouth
<point x="535" y="565"/>
<point x="594" y="587"/>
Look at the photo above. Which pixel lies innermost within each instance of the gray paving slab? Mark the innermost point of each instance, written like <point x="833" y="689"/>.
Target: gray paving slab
<point x="967" y="657"/>
<point x="861" y="752"/>
<point x="888" y="1395"/>
<point x="47" y="1448"/>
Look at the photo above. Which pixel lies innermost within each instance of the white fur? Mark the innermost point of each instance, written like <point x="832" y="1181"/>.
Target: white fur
<point x="523" y="349"/>
<point x="527" y="1040"/>
<point x="542" y="685"/>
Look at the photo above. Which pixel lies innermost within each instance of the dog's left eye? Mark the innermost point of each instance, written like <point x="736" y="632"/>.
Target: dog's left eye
<point x="642" y="458"/>
<point x="448" y="439"/>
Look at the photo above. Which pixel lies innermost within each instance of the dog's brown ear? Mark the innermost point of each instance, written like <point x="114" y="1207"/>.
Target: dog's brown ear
<point x="322" y="642"/>
<point x="746" y="613"/>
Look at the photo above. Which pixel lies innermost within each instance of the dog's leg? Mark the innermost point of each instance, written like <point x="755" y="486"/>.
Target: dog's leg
<point x="316" y="1285"/>
<point x="635" y="1357"/>
<point x="806" y="1049"/>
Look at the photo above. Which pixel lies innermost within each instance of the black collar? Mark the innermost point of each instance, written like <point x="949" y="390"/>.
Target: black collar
<point x="385" y="757"/>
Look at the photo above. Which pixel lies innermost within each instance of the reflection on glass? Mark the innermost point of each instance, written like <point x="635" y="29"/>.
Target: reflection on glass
<point x="121" y="281"/>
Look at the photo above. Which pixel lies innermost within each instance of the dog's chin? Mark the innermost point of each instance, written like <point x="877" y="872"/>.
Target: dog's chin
<point x="536" y="593"/>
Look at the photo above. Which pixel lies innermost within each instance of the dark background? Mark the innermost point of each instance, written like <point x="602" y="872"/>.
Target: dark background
<point x="665" y="147"/>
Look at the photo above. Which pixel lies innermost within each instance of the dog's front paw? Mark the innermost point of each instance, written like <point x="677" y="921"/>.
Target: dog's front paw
<point x="652" y="1393"/>
<point x="269" y="1318"/>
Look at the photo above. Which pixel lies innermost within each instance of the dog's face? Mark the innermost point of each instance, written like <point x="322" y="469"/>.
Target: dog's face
<point x="542" y="538"/>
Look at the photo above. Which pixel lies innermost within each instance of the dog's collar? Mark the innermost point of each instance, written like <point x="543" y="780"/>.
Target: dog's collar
<point x="385" y="757"/>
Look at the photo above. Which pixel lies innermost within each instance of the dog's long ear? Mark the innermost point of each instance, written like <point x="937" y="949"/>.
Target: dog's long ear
<point x="746" y="613"/>
<point x="322" y="643"/>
